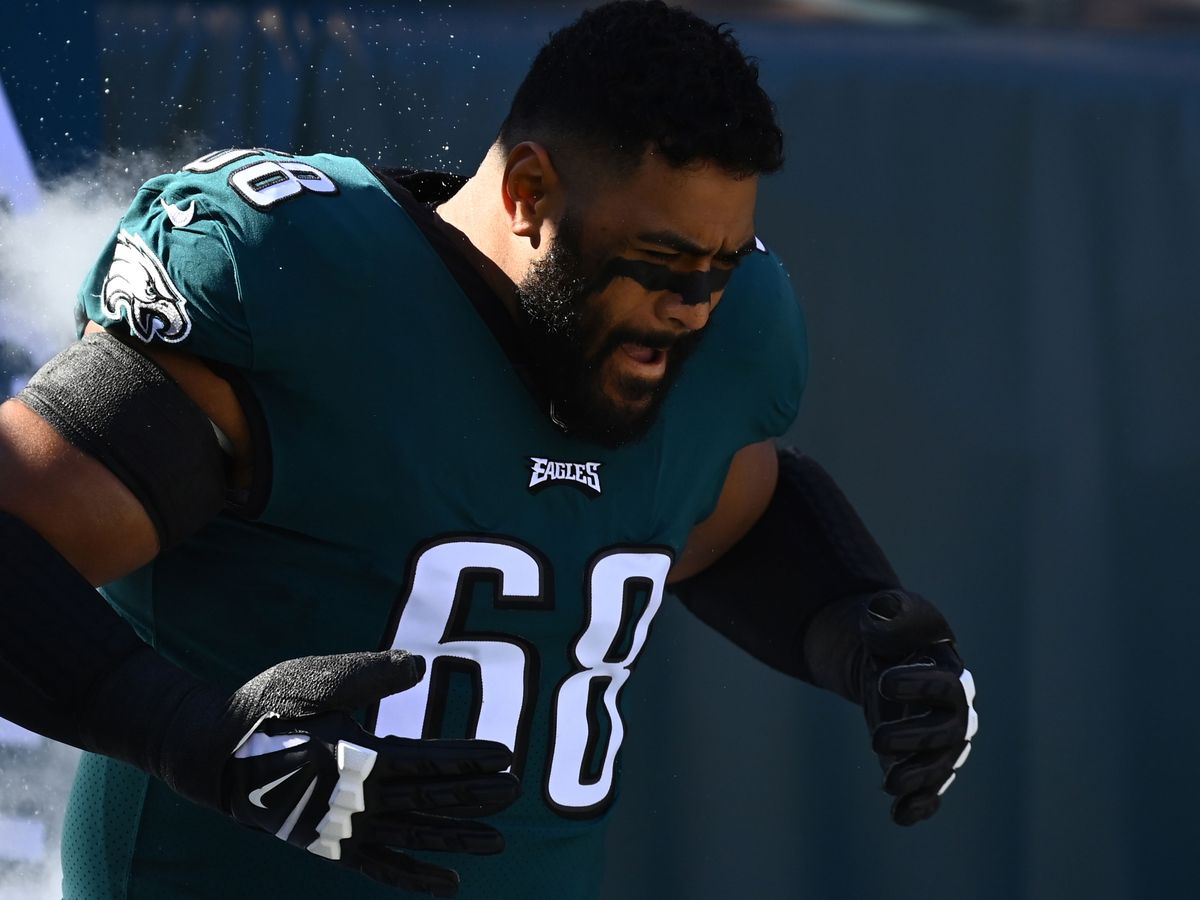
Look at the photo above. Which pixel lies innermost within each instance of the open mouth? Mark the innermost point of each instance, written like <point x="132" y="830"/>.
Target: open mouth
<point x="654" y="358"/>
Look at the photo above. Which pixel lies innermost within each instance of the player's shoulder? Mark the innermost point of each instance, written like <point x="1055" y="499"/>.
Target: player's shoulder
<point x="249" y="190"/>
<point x="762" y="281"/>
<point x="753" y="360"/>
<point x="235" y="208"/>
<point x="214" y="257"/>
<point x="760" y="317"/>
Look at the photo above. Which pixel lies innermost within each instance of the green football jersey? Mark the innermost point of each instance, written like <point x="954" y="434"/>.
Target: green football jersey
<point x="420" y="496"/>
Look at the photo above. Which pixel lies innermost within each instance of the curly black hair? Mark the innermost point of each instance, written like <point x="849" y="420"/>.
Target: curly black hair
<point x="638" y="74"/>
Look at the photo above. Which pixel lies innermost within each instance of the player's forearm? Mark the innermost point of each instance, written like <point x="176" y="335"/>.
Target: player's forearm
<point x="809" y="592"/>
<point x="792" y="590"/>
<point x="73" y="669"/>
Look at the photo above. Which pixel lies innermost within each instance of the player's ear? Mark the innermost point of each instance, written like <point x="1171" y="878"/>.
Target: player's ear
<point x="532" y="190"/>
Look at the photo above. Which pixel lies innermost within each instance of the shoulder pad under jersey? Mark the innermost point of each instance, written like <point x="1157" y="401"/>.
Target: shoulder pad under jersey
<point x="758" y="348"/>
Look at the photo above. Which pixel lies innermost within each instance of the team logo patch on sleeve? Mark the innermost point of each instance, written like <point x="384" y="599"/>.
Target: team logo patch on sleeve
<point x="139" y="290"/>
<point x="548" y="471"/>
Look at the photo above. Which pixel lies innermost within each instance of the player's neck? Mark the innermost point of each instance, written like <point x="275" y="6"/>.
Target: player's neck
<point x="472" y="212"/>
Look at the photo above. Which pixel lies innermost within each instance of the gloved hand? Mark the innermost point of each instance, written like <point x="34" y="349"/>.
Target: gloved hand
<point x="918" y="699"/>
<point x="284" y="755"/>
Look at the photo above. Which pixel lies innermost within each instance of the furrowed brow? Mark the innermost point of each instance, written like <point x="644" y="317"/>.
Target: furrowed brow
<point x="681" y="244"/>
<point x="737" y="255"/>
<point x="674" y="241"/>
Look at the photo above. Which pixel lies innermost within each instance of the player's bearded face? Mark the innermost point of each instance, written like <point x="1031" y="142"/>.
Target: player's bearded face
<point x="574" y="345"/>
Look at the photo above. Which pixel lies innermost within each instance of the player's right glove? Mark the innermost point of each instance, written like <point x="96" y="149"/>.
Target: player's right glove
<point x="919" y="701"/>
<point x="304" y="770"/>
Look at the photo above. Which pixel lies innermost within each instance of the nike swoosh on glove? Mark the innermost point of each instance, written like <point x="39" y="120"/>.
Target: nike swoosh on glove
<point x="295" y="763"/>
<point x="919" y="700"/>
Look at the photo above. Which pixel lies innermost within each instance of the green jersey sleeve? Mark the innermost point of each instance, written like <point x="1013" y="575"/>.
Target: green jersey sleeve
<point x="168" y="273"/>
<point x="245" y="257"/>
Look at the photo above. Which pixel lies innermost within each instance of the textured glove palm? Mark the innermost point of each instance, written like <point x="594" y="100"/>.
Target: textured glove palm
<point x="918" y="699"/>
<point x="304" y="770"/>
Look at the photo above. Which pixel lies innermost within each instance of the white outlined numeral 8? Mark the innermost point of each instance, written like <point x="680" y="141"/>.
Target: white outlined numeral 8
<point x="612" y="580"/>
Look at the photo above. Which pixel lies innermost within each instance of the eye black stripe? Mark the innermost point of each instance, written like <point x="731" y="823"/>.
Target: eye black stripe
<point x="693" y="287"/>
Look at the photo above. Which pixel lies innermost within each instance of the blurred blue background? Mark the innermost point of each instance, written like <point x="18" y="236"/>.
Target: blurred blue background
<point x="991" y="214"/>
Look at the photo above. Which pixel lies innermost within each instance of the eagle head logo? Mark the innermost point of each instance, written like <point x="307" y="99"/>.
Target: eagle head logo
<point x="139" y="290"/>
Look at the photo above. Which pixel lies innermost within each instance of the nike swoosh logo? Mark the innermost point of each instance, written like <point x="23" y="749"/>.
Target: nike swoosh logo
<point x="256" y="796"/>
<point x="180" y="218"/>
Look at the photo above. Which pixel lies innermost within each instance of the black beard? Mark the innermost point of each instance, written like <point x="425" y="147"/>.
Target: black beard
<point x="560" y="324"/>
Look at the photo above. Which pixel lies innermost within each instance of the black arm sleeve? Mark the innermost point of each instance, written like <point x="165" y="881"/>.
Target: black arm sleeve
<point x="75" y="671"/>
<point x="792" y="591"/>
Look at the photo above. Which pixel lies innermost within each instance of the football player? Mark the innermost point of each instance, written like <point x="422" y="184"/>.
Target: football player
<point x="385" y="474"/>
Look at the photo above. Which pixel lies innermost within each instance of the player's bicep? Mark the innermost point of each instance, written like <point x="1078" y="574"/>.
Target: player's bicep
<point x="70" y="498"/>
<point x="112" y="457"/>
<point x="744" y="496"/>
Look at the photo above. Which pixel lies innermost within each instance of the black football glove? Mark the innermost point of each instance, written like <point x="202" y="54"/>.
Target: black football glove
<point x="918" y="699"/>
<point x="285" y="756"/>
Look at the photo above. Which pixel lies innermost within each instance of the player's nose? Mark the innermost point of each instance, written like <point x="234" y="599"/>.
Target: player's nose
<point x="692" y="316"/>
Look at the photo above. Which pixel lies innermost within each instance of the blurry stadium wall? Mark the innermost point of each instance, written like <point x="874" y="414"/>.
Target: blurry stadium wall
<point x="995" y="236"/>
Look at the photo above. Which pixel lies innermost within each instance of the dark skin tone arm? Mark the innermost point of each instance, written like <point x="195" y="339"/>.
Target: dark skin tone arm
<point x="76" y="503"/>
<point x="94" y="521"/>
<point x="744" y="497"/>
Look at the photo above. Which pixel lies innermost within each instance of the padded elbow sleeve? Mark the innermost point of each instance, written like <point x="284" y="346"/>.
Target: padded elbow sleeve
<point x="791" y="591"/>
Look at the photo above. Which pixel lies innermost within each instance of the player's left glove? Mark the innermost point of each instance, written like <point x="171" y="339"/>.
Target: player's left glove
<point x="918" y="699"/>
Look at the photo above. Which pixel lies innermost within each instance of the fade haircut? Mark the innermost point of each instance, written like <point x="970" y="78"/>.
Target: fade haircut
<point x="633" y="75"/>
